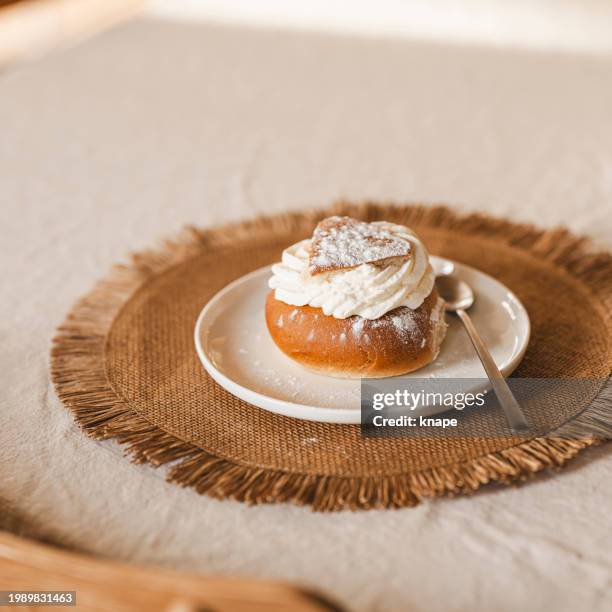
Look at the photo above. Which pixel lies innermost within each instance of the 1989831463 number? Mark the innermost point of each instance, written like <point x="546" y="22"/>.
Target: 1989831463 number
<point x="37" y="598"/>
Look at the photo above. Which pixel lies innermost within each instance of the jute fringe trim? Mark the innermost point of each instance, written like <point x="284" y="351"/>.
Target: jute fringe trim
<point x="78" y="372"/>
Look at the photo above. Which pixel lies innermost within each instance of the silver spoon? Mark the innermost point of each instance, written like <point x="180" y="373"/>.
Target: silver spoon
<point x="459" y="296"/>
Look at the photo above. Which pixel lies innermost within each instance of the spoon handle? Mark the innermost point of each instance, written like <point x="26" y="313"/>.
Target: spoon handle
<point x="514" y="415"/>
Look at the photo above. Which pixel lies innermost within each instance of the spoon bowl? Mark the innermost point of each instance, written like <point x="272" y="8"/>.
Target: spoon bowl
<point x="457" y="294"/>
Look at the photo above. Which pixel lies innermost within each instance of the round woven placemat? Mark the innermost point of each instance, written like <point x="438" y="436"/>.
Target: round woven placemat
<point x="125" y="364"/>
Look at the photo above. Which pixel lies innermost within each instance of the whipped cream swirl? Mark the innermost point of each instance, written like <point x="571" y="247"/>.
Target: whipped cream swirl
<point x="368" y="290"/>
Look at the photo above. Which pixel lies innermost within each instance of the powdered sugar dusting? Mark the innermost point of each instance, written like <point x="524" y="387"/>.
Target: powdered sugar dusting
<point x="341" y="242"/>
<point x="405" y="322"/>
<point x="357" y="327"/>
<point x="295" y="388"/>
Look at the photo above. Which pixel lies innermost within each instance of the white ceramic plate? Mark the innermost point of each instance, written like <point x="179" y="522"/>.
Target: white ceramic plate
<point x="235" y="348"/>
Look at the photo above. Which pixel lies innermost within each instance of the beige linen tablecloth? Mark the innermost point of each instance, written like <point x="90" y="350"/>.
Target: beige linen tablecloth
<point x="107" y="147"/>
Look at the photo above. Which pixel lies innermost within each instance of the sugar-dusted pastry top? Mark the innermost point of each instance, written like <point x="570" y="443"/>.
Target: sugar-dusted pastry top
<point x="340" y="243"/>
<point x="348" y="269"/>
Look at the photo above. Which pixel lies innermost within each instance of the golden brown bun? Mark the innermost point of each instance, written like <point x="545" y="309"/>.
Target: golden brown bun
<point x="400" y="341"/>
